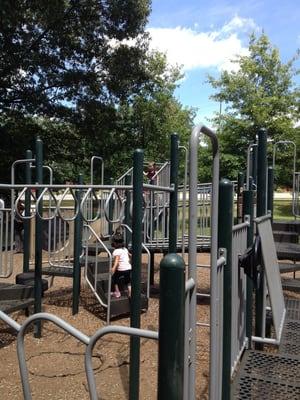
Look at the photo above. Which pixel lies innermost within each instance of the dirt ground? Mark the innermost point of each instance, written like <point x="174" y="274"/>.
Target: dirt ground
<point x="56" y="361"/>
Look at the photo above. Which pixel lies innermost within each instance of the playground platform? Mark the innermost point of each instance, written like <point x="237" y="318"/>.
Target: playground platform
<point x="270" y="376"/>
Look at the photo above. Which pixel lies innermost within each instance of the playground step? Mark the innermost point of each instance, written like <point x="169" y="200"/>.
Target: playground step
<point x="102" y="262"/>
<point x="96" y="248"/>
<point x="288" y="267"/>
<point x="27" y="278"/>
<point x="11" y="291"/>
<point x="9" y="306"/>
<point x="290" y="339"/>
<point x="291" y="284"/>
<point x="55" y="270"/>
<point x="285" y="237"/>
<point x="292" y="309"/>
<point x="267" y="376"/>
<point x="121" y="306"/>
<point x="288" y="251"/>
<point x="288" y="226"/>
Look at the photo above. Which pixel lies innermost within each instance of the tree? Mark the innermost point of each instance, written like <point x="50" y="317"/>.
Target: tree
<point x="79" y="74"/>
<point x="260" y="94"/>
<point x="56" y="54"/>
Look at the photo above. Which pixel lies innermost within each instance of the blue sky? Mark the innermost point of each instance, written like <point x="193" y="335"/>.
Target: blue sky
<point x="203" y="36"/>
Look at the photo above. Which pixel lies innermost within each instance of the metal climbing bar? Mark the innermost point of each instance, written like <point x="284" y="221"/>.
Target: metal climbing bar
<point x="190" y="340"/>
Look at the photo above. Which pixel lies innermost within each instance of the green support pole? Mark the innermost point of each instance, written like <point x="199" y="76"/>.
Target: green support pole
<point x="254" y="165"/>
<point x="171" y="328"/>
<point x="174" y="195"/>
<point x="261" y="210"/>
<point x="77" y="252"/>
<point x="27" y="222"/>
<point x="248" y="209"/>
<point x="152" y="263"/>
<point x="110" y="212"/>
<point x="225" y="223"/>
<point x="127" y="219"/>
<point x="270" y="202"/>
<point x="239" y="206"/>
<point x="135" y="315"/>
<point x="38" y="238"/>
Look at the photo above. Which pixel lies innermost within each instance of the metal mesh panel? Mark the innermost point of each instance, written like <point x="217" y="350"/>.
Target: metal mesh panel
<point x="293" y="309"/>
<point x="255" y="388"/>
<point x="267" y="376"/>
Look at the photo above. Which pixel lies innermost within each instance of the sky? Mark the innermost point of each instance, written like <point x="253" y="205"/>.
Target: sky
<point x="203" y="36"/>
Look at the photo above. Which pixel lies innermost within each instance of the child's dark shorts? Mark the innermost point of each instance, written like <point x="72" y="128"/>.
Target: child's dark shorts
<point x="121" y="276"/>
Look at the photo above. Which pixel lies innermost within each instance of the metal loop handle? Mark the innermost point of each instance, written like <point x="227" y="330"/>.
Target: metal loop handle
<point x="38" y="203"/>
<point x="122" y="207"/>
<point x="85" y="199"/>
<point x="60" y="202"/>
<point x="19" y="198"/>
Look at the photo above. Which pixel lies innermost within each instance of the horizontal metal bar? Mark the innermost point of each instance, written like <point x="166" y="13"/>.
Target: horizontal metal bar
<point x="169" y="189"/>
<point x="203" y="266"/>
<point x="263" y="218"/>
<point x="238" y="227"/>
<point x="265" y="340"/>
<point x="203" y="295"/>
<point x="204" y="324"/>
<point x="89" y="186"/>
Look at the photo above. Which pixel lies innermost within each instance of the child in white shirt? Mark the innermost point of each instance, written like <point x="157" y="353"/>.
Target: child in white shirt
<point x="121" y="266"/>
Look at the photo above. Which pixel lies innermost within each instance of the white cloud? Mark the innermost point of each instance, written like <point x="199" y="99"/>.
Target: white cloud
<point x="193" y="49"/>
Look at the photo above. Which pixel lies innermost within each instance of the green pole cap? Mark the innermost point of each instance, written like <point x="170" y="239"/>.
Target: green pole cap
<point x="172" y="260"/>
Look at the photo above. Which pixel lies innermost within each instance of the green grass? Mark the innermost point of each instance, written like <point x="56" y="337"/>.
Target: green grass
<point x="283" y="210"/>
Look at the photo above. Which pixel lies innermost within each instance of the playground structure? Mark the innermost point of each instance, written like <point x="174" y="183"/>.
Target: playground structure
<point x="149" y="219"/>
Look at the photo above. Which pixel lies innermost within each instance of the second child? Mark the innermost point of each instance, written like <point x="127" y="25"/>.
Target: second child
<point x="121" y="269"/>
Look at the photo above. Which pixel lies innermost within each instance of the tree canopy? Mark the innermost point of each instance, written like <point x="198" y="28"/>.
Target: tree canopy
<point x="261" y="93"/>
<point x="79" y="74"/>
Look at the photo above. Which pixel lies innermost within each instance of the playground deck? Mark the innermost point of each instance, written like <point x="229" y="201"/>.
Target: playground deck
<point x="268" y="376"/>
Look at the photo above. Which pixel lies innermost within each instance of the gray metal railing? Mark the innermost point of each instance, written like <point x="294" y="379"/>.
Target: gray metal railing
<point x="6" y="244"/>
<point x="88" y="341"/>
<point x="238" y="289"/>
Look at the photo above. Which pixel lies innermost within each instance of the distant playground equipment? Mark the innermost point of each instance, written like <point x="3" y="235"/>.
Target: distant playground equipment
<point x="239" y="267"/>
<point x="295" y="174"/>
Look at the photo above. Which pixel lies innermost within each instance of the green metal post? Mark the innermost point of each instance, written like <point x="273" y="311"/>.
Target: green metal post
<point x="254" y="165"/>
<point x="248" y="209"/>
<point x="27" y="222"/>
<point x="240" y="187"/>
<point x="77" y="252"/>
<point x="110" y="212"/>
<point x="171" y="328"/>
<point x="225" y="224"/>
<point x="174" y="195"/>
<point x="38" y="237"/>
<point x="270" y="203"/>
<point x="152" y="263"/>
<point x="135" y="315"/>
<point x="127" y="219"/>
<point x="261" y="210"/>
